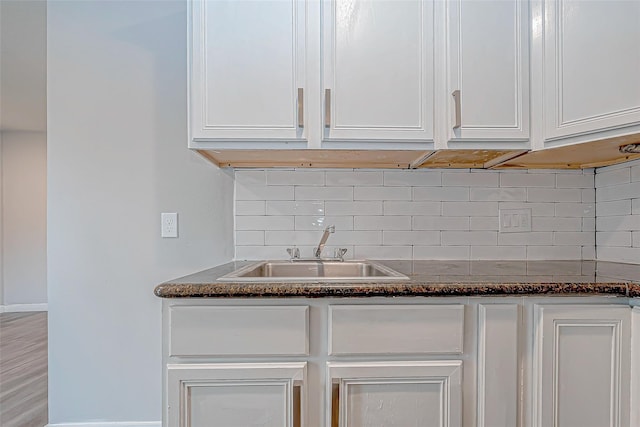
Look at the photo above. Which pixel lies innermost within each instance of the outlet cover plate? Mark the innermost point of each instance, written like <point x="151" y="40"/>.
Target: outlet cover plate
<point x="515" y="220"/>
<point x="169" y="221"/>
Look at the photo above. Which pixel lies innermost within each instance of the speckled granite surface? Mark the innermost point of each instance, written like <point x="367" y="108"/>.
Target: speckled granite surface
<point x="431" y="278"/>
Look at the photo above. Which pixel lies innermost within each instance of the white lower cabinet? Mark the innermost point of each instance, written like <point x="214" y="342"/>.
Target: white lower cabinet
<point x="235" y="395"/>
<point x="381" y="394"/>
<point x="378" y="362"/>
<point x="582" y="365"/>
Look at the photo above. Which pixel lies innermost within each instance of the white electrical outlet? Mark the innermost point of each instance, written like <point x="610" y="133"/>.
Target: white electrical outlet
<point x="169" y="223"/>
<point x="515" y="220"/>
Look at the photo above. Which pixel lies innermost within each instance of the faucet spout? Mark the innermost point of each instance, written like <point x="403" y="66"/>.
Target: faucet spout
<point x="323" y="240"/>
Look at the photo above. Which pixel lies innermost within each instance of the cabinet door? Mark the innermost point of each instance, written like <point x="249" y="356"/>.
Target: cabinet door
<point x="581" y="366"/>
<point x="247" y="64"/>
<point x="591" y="66"/>
<point x="382" y="394"/>
<point x="489" y="68"/>
<point x="378" y="69"/>
<point x="235" y="395"/>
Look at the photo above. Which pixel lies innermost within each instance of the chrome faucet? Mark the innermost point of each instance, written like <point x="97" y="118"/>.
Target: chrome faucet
<point x="323" y="240"/>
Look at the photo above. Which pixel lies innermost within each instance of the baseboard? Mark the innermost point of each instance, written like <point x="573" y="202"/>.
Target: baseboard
<point x="110" y="424"/>
<point x="16" y="308"/>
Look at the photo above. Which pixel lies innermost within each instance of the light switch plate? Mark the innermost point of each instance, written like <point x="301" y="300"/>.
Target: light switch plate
<point x="169" y="221"/>
<point x="515" y="220"/>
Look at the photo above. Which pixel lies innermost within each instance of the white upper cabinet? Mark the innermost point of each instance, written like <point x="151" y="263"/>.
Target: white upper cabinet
<point x="488" y="70"/>
<point x="378" y="69"/>
<point x="590" y="65"/>
<point x="247" y="70"/>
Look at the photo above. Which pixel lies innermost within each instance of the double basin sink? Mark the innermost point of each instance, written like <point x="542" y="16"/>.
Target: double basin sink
<point x="314" y="271"/>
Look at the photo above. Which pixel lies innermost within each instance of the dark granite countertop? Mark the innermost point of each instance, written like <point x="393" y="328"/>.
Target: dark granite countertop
<point x="430" y="278"/>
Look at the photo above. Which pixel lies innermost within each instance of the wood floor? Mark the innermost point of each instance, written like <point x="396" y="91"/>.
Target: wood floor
<point x="23" y="369"/>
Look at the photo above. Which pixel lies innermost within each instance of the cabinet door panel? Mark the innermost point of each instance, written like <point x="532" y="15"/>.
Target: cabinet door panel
<point x="581" y="366"/>
<point x="378" y="64"/>
<point x="235" y="395"/>
<point x="246" y="67"/>
<point x="381" y="394"/>
<point x="488" y="63"/>
<point x="591" y="66"/>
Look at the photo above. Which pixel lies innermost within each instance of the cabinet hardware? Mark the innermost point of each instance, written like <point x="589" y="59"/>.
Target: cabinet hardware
<point x="456" y="100"/>
<point x="327" y="108"/>
<point x="300" y="107"/>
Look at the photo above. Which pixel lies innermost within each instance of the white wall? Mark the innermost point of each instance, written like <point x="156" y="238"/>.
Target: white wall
<point x="415" y="214"/>
<point x="24" y="210"/>
<point x="618" y="212"/>
<point x="117" y="158"/>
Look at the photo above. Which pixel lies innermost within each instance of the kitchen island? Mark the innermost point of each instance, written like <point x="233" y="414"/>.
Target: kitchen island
<point x="460" y="343"/>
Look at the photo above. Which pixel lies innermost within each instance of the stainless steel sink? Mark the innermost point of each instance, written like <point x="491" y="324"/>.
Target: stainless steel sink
<point x="314" y="271"/>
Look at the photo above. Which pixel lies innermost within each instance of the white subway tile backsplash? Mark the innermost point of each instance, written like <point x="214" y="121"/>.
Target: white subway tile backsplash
<point x="422" y="178"/>
<point x="534" y="238"/>
<point x="321" y="222"/>
<point x="588" y="195"/>
<point x="618" y="192"/>
<point x="484" y="223"/>
<point x="577" y="210"/>
<point x="524" y="179"/>
<point x="554" y="195"/>
<point x="263" y="192"/>
<point x="292" y="238"/>
<point x="382" y="193"/>
<point x="615" y="238"/>
<point x="471" y="238"/>
<point x="427" y="238"/>
<point x="251" y="178"/>
<point x="324" y="193"/>
<point x="618" y="223"/>
<point x="441" y="194"/>
<point x="617" y="207"/>
<point x="382" y="222"/>
<point x="635" y="239"/>
<point x="245" y="238"/>
<point x="499" y="194"/>
<point x="440" y="223"/>
<point x="299" y="177"/>
<point x="353" y="208"/>
<point x="554" y="252"/>
<point x="383" y="252"/>
<point x="258" y="223"/>
<point x="635" y="206"/>
<point x="470" y="208"/>
<point x="537" y="209"/>
<point x="441" y="252"/>
<point x="607" y="177"/>
<point x="359" y="178"/>
<point x="574" y="238"/>
<point x="498" y="252"/>
<point x="470" y="179"/>
<point x="419" y="214"/>
<point x="575" y="181"/>
<point x="635" y="173"/>
<point x="312" y="207"/>
<point x="556" y="224"/>
<point x="412" y="208"/>
<point x="250" y="207"/>
<point x="357" y="238"/>
<point x="618" y="254"/>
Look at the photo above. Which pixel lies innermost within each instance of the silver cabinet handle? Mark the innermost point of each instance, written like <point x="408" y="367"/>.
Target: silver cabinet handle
<point x="327" y="108"/>
<point x="456" y="100"/>
<point x="300" y="107"/>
